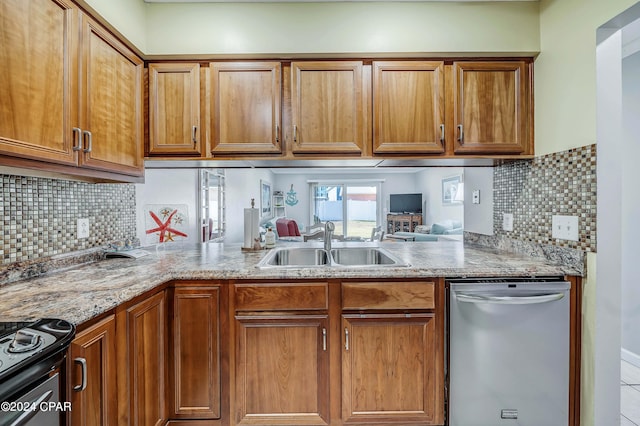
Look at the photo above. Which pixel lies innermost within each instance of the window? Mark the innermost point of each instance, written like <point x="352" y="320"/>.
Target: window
<point x="352" y="206"/>
<point x="212" y="204"/>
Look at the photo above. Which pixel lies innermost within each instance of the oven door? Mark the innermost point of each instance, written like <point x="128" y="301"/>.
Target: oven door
<point x="33" y="408"/>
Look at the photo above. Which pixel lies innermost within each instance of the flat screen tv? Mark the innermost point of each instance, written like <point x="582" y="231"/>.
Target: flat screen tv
<point x="405" y="203"/>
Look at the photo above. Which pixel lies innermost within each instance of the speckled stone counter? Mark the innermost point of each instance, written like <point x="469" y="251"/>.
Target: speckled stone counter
<point x="84" y="292"/>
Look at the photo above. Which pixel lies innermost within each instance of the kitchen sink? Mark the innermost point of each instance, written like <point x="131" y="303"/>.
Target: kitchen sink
<point x="295" y="257"/>
<point x="303" y="257"/>
<point x="364" y="256"/>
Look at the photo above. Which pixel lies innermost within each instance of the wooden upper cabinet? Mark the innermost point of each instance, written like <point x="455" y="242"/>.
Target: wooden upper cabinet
<point x="111" y="115"/>
<point x="174" y="108"/>
<point x="327" y="107"/>
<point x="408" y="107"/>
<point x="39" y="69"/>
<point x="492" y="108"/>
<point x="245" y="107"/>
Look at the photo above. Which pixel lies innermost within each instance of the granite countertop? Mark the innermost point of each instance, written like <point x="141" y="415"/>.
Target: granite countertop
<point x="80" y="293"/>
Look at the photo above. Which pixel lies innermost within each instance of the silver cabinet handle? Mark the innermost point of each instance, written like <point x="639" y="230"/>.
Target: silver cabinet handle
<point x="77" y="144"/>
<point x="194" y="132"/>
<point x="295" y="133"/>
<point x="442" y="133"/>
<point x="89" y="138"/>
<point x="346" y="339"/>
<point x="460" y="133"/>
<point x="83" y="369"/>
<point x="324" y="339"/>
<point x="277" y="134"/>
<point x="509" y="300"/>
<point x="34" y="408"/>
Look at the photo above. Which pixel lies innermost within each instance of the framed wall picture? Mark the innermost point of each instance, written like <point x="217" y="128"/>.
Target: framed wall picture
<point x="265" y="198"/>
<point x="452" y="192"/>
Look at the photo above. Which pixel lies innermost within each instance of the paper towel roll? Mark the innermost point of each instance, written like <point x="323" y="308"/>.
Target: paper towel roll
<point x="251" y="231"/>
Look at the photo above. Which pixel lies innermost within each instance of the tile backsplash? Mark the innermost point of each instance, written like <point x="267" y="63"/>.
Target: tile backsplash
<point x="39" y="216"/>
<point x="562" y="183"/>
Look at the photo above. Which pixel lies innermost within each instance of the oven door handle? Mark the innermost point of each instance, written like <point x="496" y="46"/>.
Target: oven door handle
<point x="83" y="366"/>
<point x="34" y="409"/>
<point x="509" y="300"/>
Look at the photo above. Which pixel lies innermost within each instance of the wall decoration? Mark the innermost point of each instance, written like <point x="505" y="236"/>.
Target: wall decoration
<point x="292" y="197"/>
<point x="451" y="190"/>
<point x="265" y="198"/>
<point x="165" y="222"/>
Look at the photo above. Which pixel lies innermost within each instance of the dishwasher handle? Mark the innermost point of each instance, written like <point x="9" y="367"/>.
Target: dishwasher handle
<point x="509" y="300"/>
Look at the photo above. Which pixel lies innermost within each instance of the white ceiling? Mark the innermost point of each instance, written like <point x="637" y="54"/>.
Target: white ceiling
<point x="306" y="1"/>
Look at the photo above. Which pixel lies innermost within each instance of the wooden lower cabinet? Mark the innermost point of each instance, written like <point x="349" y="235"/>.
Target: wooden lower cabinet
<point x="282" y="370"/>
<point x="142" y="362"/>
<point x="389" y="369"/>
<point x="194" y="354"/>
<point x="92" y="375"/>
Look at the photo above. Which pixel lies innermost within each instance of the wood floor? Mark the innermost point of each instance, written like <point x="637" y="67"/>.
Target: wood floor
<point x="629" y="395"/>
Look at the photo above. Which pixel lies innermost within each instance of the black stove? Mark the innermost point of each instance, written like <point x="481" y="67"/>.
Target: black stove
<point x="32" y="358"/>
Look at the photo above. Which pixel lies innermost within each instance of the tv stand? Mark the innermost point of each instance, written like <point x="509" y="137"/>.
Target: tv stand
<point x="399" y="222"/>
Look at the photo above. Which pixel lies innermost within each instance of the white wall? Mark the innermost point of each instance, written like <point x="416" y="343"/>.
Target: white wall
<point x="169" y="186"/>
<point x="565" y="72"/>
<point x="478" y="217"/>
<point x="241" y="186"/>
<point x="129" y="17"/>
<point x="337" y="27"/>
<point x="430" y="183"/>
<point x="630" y="207"/>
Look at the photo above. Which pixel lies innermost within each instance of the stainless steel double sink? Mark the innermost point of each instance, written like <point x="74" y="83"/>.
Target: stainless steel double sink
<point x="309" y="257"/>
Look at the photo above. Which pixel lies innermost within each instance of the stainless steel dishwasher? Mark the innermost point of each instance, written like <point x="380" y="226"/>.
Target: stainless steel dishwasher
<point x="508" y="352"/>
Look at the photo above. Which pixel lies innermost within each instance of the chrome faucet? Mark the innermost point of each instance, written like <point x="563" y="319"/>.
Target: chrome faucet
<point x="329" y="227"/>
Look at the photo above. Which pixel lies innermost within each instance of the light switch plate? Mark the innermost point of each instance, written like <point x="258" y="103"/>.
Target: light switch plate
<point x="507" y="222"/>
<point x="476" y="196"/>
<point x="564" y="227"/>
<point x="83" y="228"/>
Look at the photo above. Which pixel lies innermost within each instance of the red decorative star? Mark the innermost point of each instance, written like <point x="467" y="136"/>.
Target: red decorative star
<point x="163" y="227"/>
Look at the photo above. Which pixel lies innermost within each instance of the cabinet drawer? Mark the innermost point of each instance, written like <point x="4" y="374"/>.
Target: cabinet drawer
<point x="281" y="297"/>
<point x="388" y="295"/>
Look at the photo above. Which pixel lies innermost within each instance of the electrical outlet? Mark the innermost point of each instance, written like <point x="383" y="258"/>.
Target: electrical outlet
<point x="507" y="222"/>
<point x="564" y="227"/>
<point x="475" y="199"/>
<point x="83" y="228"/>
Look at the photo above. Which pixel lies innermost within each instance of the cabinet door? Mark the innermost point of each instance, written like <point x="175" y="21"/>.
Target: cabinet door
<point x="111" y="103"/>
<point x="194" y="358"/>
<point x="245" y="107"/>
<point x="93" y="353"/>
<point x="141" y="342"/>
<point x="390" y="369"/>
<point x="174" y="108"/>
<point x="327" y="107"/>
<point x="491" y="107"/>
<point x="39" y="69"/>
<point x="408" y="107"/>
<point x="282" y="370"/>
